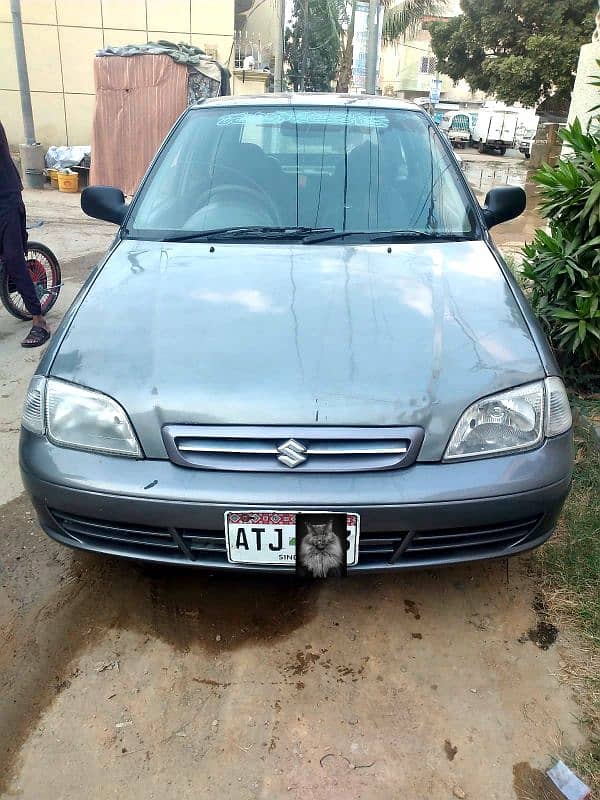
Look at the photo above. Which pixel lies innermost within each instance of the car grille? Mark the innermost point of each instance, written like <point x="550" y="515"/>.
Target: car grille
<point x="435" y="546"/>
<point x="377" y="549"/>
<point x="169" y="544"/>
<point x="291" y="449"/>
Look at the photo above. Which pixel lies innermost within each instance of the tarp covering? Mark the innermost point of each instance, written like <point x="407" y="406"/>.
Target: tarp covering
<point x="181" y="53"/>
<point x="196" y="60"/>
<point x="62" y="156"/>
<point x="137" y="102"/>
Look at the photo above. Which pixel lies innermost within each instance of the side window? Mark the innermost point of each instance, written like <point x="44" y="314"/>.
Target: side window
<point x="451" y="209"/>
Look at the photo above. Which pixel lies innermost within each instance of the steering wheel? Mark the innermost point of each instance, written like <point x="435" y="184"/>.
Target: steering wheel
<point x="233" y="188"/>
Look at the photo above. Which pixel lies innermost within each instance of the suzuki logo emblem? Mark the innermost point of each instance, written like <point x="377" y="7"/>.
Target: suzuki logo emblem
<point x="291" y="453"/>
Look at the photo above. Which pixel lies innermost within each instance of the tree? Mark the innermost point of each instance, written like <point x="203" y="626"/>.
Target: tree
<point x="345" y="71"/>
<point x="518" y="50"/>
<point x="405" y="17"/>
<point x="320" y="41"/>
<point x="313" y="44"/>
<point x="399" y="19"/>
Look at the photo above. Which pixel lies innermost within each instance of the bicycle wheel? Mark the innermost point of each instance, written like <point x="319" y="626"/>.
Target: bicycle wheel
<point x="44" y="269"/>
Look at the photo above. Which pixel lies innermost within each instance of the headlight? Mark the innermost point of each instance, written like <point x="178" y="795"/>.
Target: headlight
<point x="72" y="416"/>
<point x="514" y="420"/>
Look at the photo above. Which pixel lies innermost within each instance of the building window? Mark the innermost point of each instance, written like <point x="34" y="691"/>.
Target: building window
<point x="429" y="65"/>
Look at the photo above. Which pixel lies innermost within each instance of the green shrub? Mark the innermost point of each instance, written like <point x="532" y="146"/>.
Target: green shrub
<point x="562" y="268"/>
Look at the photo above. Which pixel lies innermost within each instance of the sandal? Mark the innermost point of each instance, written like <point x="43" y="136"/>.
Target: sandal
<point x="36" y="337"/>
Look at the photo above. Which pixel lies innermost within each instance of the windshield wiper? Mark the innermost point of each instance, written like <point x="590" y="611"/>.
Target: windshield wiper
<point x="407" y="236"/>
<point x="388" y="236"/>
<point x="248" y="231"/>
<point x="310" y="235"/>
<point x="325" y="237"/>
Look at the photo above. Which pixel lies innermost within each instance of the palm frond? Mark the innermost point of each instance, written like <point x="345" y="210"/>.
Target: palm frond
<point x="405" y="17"/>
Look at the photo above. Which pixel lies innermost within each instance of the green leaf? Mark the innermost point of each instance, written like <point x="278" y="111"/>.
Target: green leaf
<point x="593" y="243"/>
<point x="593" y="200"/>
<point x="406" y="17"/>
<point x="570" y="327"/>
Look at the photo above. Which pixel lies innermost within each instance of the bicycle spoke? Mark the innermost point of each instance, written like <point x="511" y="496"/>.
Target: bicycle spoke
<point x="45" y="274"/>
<point x="43" y="278"/>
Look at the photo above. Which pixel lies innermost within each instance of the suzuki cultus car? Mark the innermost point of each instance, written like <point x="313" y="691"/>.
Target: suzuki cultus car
<point x="302" y="312"/>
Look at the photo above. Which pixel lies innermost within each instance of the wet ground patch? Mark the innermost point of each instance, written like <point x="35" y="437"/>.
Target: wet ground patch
<point x="411" y="608"/>
<point x="188" y="607"/>
<point x="450" y="750"/>
<point x="545" y="633"/>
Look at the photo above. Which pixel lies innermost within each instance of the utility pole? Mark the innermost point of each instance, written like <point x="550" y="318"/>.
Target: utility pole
<point x="278" y="45"/>
<point x="15" y="10"/>
<point x="372" y="43"/>
<point x="304" y="45"/>
<point x="32" y="156"/>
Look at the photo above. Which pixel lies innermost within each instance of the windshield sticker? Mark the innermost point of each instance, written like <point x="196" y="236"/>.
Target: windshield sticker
<point x="306" y="117"/>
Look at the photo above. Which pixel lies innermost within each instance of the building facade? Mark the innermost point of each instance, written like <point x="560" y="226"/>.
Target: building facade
<point x="408" y="67"/>
<point x="62" y="37"/>
<point x="255" y="31"/>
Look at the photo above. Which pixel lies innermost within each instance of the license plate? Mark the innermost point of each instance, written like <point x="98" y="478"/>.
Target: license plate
<point x="269" y="537"/>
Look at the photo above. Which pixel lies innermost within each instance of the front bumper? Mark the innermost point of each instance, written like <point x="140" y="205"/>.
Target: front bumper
<point x="425" y="515"/>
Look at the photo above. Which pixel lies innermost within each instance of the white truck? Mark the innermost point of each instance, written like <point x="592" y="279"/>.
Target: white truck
<point x="495" y="130"/>
<point x="457" y="127"/>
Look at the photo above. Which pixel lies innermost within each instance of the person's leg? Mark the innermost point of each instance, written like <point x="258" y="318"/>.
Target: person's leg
<point x="38" y="319"/>
<point x="14" y="261"/>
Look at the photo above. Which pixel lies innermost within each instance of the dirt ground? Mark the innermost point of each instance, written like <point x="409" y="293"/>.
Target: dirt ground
<point x="124" y="681"/>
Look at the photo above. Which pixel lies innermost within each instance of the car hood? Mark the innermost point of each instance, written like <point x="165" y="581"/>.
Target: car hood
<point x="292" y="334"/>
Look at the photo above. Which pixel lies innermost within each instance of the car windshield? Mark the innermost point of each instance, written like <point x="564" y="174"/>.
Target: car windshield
<point x="342" y="169"/>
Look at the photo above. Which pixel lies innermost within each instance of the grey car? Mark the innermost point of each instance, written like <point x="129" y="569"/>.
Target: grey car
<point x="302" y="312"/>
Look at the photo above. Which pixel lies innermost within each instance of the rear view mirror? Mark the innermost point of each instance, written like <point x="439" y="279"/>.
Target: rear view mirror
<point x="503" y="203"/>
<point x="104" y="202"/>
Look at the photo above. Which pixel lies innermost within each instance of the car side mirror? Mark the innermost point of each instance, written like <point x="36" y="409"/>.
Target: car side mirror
<point x="104" y="202"/>
<point x="503" y="203"/>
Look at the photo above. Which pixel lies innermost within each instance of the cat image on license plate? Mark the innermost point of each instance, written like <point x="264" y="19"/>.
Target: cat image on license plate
<point x="275" y="538"/>
<point x="321" y="545"/>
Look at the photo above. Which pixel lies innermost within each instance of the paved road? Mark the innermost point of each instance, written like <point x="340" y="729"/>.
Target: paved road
<point x="129" y="682"/>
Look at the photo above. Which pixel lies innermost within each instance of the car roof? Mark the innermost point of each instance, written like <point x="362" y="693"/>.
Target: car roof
<point x="309" y="99"/>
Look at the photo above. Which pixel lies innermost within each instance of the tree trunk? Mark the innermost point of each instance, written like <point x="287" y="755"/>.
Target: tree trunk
<point x="304" y="45"/>
<point x="345" y="73"/>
